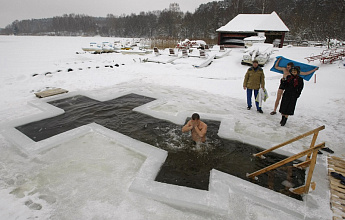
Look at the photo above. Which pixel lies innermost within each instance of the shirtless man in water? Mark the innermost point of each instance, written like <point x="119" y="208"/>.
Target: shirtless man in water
<point x="286" y="72"/>
<point x="197" y="127"/>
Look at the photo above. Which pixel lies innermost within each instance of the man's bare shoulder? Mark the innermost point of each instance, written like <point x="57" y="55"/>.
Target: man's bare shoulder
<point x="203" y="124"/>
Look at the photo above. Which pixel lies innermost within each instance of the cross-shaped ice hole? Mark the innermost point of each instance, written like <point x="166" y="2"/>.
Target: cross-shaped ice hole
<point x="187" y="164"/>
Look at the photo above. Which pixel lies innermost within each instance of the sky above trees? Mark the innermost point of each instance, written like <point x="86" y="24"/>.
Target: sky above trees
<point x="34" y="9"/>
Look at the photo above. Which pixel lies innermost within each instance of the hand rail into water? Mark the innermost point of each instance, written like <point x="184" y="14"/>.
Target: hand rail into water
<point x="310" y="160"/>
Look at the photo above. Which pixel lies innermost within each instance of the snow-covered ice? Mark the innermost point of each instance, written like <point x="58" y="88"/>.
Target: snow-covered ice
<point x="96" y="175"/>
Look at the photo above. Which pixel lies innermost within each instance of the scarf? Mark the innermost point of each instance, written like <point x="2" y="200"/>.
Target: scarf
<point x="294" y="79"/>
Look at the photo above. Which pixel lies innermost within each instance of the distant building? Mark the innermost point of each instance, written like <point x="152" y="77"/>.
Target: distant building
<point x="247" y="25"/>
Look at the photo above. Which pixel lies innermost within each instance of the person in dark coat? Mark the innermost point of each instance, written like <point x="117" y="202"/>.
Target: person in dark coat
<point x="293" y="87"/>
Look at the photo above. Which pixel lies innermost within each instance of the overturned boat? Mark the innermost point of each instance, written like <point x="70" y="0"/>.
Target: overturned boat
<point x="93" y="47"/>
<point x="258" y="51"/>
<point x="220" y="51"/>
<point x="107" y="47"/>
<point x="136" y="50"/>
<point x="163" y="56"/>
<point x="249" y="41"/>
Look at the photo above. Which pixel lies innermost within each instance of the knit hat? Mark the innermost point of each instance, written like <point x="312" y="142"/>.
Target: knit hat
<point x="297" y="68"/>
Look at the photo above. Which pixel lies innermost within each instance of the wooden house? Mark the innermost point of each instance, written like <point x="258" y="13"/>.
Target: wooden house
<point x="247" y="25"/>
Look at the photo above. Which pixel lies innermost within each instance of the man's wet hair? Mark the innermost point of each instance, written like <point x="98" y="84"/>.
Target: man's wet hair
<point x="195" y="116"/>
<point x="290" y="64"/>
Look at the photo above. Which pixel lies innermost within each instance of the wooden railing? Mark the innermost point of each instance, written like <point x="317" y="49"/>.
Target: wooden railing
<point x="310" y="159"/>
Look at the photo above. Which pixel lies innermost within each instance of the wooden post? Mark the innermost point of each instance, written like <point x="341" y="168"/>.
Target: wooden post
<point x="282" y="40"/>
<point x="312" y="144"/>
<point x="305" y="189"/>
<point x="311" y="170"/>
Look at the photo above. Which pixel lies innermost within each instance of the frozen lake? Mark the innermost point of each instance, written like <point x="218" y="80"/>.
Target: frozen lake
<point x="89" y="176"/>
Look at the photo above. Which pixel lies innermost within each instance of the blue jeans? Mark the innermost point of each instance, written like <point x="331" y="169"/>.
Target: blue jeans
<point x="249" y="98"/>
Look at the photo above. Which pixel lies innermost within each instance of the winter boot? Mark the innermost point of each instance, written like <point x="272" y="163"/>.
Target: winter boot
<point x="282" y="119"/>
<point x="283" y="122"/>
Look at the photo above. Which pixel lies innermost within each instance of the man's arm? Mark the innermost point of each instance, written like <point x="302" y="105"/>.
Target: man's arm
<point x="309" y="72"/>
<point x="263" y="80"/>
<point x="285" y="73"/>
<point x="277" y="66"/>
<point x="201" y="132"/>
<point x="187" y="127"/>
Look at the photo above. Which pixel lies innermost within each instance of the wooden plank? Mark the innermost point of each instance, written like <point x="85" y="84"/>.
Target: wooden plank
<point x="338" y="200"/>
<point x="338" y="159"/>
<point x="337" y="189"/>
<point x="338" y="206"/>
<point x="336" y="185"/>
<point x="337" y="169"/>
<point x="336" y="163"/>
<point x="339" y="165"/>
<point x="338" y="212"/>
<point x="50" y="92"/>
<point x="338" y="194"/>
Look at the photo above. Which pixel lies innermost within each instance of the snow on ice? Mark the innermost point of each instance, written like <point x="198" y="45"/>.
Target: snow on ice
<point x="91" y="175"/>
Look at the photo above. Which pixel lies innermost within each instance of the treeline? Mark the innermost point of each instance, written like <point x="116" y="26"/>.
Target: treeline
<point x="306" y="19"/>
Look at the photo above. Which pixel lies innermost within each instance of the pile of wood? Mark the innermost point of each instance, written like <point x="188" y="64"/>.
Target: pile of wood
<point x="337" y="164"/>
<point x="50" y="92"/>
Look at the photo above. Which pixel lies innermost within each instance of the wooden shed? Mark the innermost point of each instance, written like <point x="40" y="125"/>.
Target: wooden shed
<point x="247" y="25"/>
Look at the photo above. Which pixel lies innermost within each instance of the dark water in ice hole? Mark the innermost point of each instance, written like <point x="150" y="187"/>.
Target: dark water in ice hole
<point x="186" y="164"/>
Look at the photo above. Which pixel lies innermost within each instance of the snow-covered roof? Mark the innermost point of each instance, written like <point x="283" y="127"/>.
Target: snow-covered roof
<point x="254" y="22"/>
